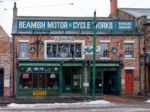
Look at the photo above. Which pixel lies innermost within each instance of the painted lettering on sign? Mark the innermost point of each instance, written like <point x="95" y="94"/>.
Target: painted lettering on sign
<point x="39" y="92"/>
<point x="104" y="25"/>
<point x="74" y="25"/>
<point x="89" y="50"/>
<point x="31" y="25"/>
<point x="57" y="25"/>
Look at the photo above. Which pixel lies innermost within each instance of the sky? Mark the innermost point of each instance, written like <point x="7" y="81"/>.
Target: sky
<point x="76" y="8"/>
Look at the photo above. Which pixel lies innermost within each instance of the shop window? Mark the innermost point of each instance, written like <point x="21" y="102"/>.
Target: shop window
<point x="64" y="50"/>
<point x="77" y="81"/>
<point x="38" y="77"/>
<point x="23" y="49"/>
<point x="25" y="80"/>
<point x="129" y="50"/>
<point x="104" y="50"/>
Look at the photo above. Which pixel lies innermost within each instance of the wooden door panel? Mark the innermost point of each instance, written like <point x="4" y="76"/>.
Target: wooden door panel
<point x="129" y="82"/>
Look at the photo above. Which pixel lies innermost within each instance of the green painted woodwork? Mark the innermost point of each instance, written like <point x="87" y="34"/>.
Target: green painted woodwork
<point x="100" y="67"/>
<point x="82" y="81"/>
<point x="72" y="64"/>
<point x="60" y="80"/>
<point x="28" y="92"/>
<point x="38" y="64"/>
<point x="106" y="64"/>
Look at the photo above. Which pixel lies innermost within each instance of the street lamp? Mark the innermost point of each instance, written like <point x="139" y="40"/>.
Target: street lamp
<point x="94" y="53"/>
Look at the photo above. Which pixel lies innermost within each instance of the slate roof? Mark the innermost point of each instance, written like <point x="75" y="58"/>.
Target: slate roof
<point x="137" y="12"/>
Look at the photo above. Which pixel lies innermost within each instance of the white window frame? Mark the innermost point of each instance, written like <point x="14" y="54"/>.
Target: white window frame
<point x="21" y="41"/>
<point x="129" y="56"/>
<point x="105" y="41"/>
<point x="53" y="41"/>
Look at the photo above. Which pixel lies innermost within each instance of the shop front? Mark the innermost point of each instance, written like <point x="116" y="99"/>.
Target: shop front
<point x="48" y="78"/>
<point x="35" y="78"/>
<point x="107" y="79"/>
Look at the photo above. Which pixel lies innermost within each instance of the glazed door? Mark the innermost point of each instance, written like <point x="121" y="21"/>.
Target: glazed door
<point x="99" y="83"/>
<point x="67" y="79"/>
<point x="67" y="83"/>
<point x="1" y="82"/>
<point x="129" y="82"/>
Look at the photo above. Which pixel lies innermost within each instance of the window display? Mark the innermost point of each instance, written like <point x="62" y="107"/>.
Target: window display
<point x="38" y="77"/>
<point x="64" y="50"/>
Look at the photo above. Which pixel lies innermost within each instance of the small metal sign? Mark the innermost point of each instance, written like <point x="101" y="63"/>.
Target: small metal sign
<point x="32" y="50"/>
<point x="86" y="84"/>
<point x="114" y="50"/>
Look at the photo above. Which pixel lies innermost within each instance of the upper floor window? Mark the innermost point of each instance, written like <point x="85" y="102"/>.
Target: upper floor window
<point x="104" y="50"/>
<point x="129" y="50"/>
<point x="63" y="50"/>
<point x="23" y="49"/>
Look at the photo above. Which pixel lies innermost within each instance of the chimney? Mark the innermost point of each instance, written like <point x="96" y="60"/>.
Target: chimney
<point x="15" y="10"/>
<point x="113" y="8"/>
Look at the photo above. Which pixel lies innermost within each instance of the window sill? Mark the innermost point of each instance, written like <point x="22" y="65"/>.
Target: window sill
<point x="105" y="58"/>
<point x="23" y="58"/>
<point x="129" y="58"/>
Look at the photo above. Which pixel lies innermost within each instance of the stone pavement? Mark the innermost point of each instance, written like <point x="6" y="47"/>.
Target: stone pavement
<point x="124" y="99"/>
<point x="72" y="99"/>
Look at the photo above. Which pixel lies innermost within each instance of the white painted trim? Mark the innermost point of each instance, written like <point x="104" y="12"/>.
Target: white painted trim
<point x="23" y="41"/>
<point x="129" y="68"/>
<point x="54" y="41"/>
<point x="103" y="58"/>
<point x="129" y="41"/>
<point x="105" y="41"/>
<point x="23" y="58"/>
<point x="129" y="58"/>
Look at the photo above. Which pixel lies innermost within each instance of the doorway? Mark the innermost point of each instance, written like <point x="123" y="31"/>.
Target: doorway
<point x="1" y="82"/>
<point x="109" y="82"/>
<point x="129" y="82"/>
<point x="72" y="79"/>
<point x="106" y="82"/>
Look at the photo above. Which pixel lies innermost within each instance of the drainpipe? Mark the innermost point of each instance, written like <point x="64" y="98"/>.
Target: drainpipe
<point x="140" y="64"/>
<point x="13" y="64"/>
<point x="145" y="77"/>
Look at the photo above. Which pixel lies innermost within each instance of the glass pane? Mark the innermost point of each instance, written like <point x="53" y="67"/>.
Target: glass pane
<point x="64" y="50"/>
<point x="104" y="50"/>
<point x="23" y="49"/>
<point x="25" y="81"/>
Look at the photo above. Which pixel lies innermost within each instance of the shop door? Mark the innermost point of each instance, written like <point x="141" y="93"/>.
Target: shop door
<point x="67" y="76"/>
<point x="99" y="83"/>
<point x="1" y="82"/>
<point x="129" y="82"/>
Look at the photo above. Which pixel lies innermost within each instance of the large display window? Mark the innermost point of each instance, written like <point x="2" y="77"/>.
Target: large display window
<point x="64" y="50"/>
<point x="39" y="77"/>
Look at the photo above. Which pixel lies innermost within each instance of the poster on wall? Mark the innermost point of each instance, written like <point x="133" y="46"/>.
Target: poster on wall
<point x="6" y="83"/>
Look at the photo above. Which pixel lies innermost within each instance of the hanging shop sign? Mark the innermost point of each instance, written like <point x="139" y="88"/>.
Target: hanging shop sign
<point x="74" y="25"/>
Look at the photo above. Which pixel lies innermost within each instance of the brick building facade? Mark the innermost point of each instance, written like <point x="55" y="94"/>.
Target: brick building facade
<point x="58" y="58"/>
<point x="5" y="64"/>
<point x="141" y="16"/>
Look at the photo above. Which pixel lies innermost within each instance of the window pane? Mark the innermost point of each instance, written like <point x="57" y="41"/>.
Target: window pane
<point x="64" y="50"/>
<point x="23" y="49"/>
<point x="129" y="50"/>
<point x="25" y="80"/>
<point x="104" y="52"/>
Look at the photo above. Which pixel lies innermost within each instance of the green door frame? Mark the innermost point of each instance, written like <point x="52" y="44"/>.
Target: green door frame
<point x="107" y="65"/>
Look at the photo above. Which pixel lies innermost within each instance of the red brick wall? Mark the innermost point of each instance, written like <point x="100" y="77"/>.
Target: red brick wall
<point x="115" y="41"/>
<point x="5" y="60"/>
